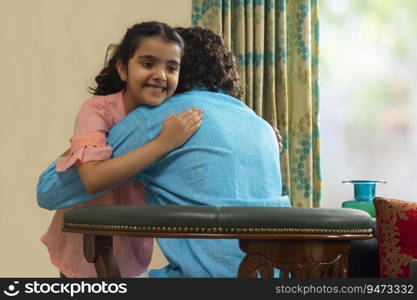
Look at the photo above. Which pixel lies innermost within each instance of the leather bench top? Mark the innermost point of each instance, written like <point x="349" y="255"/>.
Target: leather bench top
<point x="295" y="220"/>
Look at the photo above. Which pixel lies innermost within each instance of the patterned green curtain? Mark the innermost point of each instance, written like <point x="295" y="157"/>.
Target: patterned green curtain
<point x="276" y="44"/>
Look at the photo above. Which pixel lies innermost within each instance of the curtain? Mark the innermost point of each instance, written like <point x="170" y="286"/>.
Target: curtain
<point x="276" y="43"/>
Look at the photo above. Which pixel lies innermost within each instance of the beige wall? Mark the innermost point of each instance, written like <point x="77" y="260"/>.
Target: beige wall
<point x="50" y="52"/>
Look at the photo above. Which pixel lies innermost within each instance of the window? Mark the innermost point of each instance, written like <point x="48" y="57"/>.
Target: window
<point x="368" y="86"/>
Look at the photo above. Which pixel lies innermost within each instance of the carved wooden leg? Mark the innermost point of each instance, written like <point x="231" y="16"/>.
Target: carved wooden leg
<point x="98" y="249"/>
<point x="294" y="258"/>
<point x="255" y="264"/>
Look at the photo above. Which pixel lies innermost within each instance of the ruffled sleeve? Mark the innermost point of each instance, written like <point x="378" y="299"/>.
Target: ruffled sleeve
<point x="89" y="142"/>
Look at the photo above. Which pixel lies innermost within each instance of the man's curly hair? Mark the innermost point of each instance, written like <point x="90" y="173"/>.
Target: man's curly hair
<point x="207" y="63"/>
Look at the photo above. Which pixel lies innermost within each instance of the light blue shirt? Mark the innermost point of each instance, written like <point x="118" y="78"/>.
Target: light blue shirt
<point x="232" y="160"/>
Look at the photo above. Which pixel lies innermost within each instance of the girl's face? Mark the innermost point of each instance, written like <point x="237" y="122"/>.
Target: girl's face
<point x="152" y="73"/>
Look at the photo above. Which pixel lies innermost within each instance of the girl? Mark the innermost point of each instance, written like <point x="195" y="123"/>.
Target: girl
<point x="143" y="70"/>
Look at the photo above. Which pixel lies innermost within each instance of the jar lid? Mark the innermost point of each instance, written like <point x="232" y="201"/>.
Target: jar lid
<point x="364" y="181"/>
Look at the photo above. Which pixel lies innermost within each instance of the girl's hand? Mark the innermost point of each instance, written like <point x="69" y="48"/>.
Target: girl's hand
<point x="177" y="129"/>
<point x="279" y="138"/>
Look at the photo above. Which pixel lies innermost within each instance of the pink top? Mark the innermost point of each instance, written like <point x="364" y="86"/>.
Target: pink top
<point x="89" y="143"/>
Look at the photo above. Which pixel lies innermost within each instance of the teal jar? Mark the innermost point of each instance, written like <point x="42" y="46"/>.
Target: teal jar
<point x="364" y="193"/>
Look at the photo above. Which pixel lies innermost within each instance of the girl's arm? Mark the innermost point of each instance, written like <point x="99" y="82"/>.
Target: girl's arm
<point x="176" y="130"/>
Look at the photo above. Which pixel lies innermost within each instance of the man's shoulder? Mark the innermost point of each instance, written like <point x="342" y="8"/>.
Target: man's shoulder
<point x="209" y="98"/>
<point x="203" y="94"/>
<point x="205" y="100"/>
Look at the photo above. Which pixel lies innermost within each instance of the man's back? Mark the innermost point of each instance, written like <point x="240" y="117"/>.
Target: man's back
<point x="232" y="160"/>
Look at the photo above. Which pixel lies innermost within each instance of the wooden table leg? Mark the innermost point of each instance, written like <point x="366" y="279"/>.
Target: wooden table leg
<point x="294" y="258"/>
<point x="98" y="249"/>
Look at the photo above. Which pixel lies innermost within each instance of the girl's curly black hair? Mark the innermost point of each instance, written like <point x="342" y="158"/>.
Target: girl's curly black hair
<point x="108" y="80"/>
<point x="207" y="63"/>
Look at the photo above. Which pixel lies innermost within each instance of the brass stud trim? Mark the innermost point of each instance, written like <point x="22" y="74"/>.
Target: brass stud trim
<point x="215" y="230"/>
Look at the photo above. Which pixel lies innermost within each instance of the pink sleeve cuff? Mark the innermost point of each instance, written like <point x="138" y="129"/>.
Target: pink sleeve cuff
<point x="89" y="147"/>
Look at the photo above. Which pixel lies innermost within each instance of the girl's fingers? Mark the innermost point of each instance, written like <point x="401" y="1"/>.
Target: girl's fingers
<point x="190" y="111"/>
<point x="191" y="119"/>
<point x="195" y="126"/>
<point x="192" y="116"/>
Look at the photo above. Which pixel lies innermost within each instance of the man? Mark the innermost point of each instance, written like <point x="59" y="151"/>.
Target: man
<point x="232" y="160"/>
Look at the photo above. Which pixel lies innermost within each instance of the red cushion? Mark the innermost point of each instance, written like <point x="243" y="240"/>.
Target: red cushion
<point x="397" y="235"/>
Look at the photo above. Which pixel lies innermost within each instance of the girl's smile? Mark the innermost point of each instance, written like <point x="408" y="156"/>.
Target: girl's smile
<point x="156" y="88"/>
